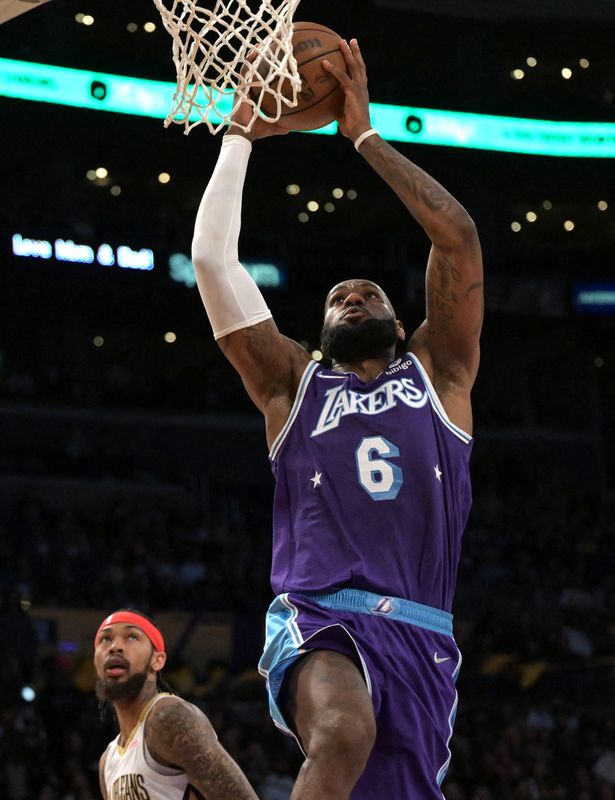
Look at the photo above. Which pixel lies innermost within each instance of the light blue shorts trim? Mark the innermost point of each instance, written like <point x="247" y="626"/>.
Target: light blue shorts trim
<point x="355" y="600"/>
<point x="285" y="644"/>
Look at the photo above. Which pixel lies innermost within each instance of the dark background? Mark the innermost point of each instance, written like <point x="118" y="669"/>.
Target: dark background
<point x="136" y="472"/>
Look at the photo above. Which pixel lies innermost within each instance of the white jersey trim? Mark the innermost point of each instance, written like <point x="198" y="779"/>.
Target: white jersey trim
<point x="293" y="628"/>
<point x="451" y="721"/>
<point x="436" y="403"/>
<point x="303" y="384"/>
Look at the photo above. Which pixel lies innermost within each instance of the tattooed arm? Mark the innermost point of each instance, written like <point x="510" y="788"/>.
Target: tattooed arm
<point x="270" y="366"/>
<point x="179" y="735"/>
<point x="448" y="341"/>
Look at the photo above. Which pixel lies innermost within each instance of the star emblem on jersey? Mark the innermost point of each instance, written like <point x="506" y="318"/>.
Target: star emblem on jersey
<point x="438" y="472"/>
<point x="316" y="478"/>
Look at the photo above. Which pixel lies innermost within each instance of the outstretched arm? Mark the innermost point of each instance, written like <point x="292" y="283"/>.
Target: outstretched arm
<point x="269" y="364"/>
<point x="454" y="278"/>
<point x="448" y="341"/>
<point x="180" y="735"/>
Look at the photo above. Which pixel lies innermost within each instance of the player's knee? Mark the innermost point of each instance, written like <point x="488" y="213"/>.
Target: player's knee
<point x="342" y="736"/>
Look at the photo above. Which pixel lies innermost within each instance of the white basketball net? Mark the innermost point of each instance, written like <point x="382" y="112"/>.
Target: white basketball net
<point x="210" y="50"/>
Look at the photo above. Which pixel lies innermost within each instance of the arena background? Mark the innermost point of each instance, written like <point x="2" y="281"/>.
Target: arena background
<point x="133" y="469"/>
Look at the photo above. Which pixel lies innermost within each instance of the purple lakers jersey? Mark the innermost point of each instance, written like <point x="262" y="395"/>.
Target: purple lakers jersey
<point x="372" y="487"/>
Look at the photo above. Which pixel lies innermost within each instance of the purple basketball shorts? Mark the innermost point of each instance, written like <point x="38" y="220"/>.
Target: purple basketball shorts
<point x="410" y="662"/>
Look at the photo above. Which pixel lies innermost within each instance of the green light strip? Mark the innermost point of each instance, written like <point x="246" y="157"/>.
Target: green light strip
<point x="125" y="95"/>
<point x="73" y="87"/>
<point x="503" y="134"/>
<point x="44" y="83"/>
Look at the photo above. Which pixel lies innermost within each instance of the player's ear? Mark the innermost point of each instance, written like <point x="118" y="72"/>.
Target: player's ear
<point x="401" y="334"/>
<point x="158" y="661"/>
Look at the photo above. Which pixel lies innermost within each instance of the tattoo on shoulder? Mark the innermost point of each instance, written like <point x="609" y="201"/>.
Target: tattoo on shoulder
<point x="174" y="729"/>
<point x="181" y="735"/>
<point x="426" y="190"/>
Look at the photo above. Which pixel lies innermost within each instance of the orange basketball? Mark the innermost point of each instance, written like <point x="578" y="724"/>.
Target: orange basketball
<point x="321" y="99"/>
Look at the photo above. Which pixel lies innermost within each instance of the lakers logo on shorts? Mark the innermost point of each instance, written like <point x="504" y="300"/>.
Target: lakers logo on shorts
<point x="383" y="606"/>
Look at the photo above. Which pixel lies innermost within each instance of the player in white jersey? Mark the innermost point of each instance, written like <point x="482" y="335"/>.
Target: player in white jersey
<point x="166" y="748"/>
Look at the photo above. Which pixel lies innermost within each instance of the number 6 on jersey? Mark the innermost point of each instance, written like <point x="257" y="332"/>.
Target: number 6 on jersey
<point x="380" y="479"/>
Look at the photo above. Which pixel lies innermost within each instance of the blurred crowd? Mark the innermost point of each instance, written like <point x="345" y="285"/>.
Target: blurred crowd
<point x="534" y="620"/>
<point x="162" y="554"/>
<point x="121" y="373"/>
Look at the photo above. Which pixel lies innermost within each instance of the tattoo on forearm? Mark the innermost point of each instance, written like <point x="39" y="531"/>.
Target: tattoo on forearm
<point x="443" y="284"/>
<point x="451" y="308"/>
<point x="410" y="181"/>
<point x="432" y="194"/>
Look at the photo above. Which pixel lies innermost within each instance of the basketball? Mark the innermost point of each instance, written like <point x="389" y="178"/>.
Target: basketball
<point x="321" y="98"/>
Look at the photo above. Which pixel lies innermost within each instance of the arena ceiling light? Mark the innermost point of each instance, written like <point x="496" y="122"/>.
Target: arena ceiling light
<point x="127" y="95"/>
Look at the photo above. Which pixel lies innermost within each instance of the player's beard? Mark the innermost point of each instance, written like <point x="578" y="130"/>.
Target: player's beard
<point x="348" y="342"/>
<point x="124" y="690"/>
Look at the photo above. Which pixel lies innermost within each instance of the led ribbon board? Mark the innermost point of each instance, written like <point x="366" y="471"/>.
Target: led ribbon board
<point x="67" y="250"/>
<point x="181" y="270"/>
<point x="125" y="95"/>
<point x="101" y="91"/>
<point x="487" y="132"/>
<point x="594" y="298"/>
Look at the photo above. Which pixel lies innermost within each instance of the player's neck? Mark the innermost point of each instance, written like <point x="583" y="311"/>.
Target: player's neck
<point x="366" y="369"/>
<point x="129" y="712"/>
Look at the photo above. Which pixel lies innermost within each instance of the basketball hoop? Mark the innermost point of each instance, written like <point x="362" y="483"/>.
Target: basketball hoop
<point x="210" y="52"/>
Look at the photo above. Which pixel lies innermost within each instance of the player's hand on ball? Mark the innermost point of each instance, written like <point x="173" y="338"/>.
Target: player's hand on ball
<point x="243" y="113"/>
<point x="355" y="119"/>
<point x="260" y="129"/>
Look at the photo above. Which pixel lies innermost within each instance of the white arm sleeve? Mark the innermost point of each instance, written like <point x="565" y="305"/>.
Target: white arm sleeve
<point x="230" y="295"/>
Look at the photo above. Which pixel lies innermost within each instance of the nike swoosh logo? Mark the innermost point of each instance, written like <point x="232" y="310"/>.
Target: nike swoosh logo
<point x="440" y="660"/>
<point x="333" y="377"/>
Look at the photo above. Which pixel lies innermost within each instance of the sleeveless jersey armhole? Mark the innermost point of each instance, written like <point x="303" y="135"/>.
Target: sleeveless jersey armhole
<point x="436" y="403"/>
<point x="303" y="384"/>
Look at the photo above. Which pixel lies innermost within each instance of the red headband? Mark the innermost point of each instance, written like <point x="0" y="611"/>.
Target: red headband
<point x="150" y="630"/>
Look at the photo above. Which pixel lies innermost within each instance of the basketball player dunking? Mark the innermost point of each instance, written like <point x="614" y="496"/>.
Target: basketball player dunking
<point x="166" y="748"/>
<point x="372" y="483"/>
